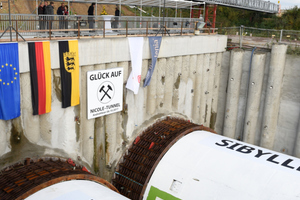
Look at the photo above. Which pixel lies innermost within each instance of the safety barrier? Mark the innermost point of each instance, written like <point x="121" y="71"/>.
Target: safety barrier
<point x="51" y="26"/>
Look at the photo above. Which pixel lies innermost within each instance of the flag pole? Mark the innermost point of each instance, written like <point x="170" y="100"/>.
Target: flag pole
<point x="162" y="27"/>
<point x="9" y="17"/>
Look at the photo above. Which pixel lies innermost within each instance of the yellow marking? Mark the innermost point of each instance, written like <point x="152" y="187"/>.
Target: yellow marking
<point x="10" y="65"/>
<point x="12" y="82"/>
<point x="2" y="66"/>
<point x="14" y="68"/>
<point x="16" y="73"/>
<point x="0" y="80"/>
<point x="7" y="83"/>
<point x="3" y="83"/>
<point x="15" y="78"/>
<point x="6" y="64"/>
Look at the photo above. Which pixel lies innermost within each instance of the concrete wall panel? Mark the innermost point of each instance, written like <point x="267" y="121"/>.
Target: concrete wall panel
<point x="87" y="127"/>
<point x="31" y="122"/>
<point x="189" y="81"/>
<point x="214" y="107"/>
<point x="204" y="97"/>
<point x="211" y="81"/>
<point x="197" y="88"/>
<point x="223" y="91"/>
<point x="273" y="95"/>
<point x="233" y="93"/>
<point x="169" y="83"/>
<point x="177" y="81"/>
<point x="253" y="97"/>
<point x="160" y="83"/>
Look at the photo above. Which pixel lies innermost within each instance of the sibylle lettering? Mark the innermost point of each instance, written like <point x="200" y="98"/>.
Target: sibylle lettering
<point x="258" y="153"/>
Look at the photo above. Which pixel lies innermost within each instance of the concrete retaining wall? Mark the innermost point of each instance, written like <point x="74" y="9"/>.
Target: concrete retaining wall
<point x="184" y="84"/>
<point x="268" y="111"/>
<point x="194" y="79"/>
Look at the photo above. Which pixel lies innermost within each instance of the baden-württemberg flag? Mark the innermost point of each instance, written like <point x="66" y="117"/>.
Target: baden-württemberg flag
<point x="69" y="71"/>
<point x="40" y="75"/>
<point x="9" y="81"/>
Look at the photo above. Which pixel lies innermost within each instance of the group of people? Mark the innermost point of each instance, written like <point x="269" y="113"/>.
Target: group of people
<point x="46" y="14"/>
<point x="48" y="9"/>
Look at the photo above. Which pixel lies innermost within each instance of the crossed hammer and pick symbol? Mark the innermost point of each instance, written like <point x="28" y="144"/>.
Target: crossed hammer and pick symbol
<point x="105" y="92"/>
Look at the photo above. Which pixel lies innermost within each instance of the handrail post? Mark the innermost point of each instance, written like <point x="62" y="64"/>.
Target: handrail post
<point x="50" y="26"/>
<point x="16" y="30"/>
<point x="241" y="36"/>
<point x="126" y="28"/>
<point x="103" y="28"/>
<point x="147" y="29"/>
<point x="181" y="28"/>
<point x="78" y="29"/>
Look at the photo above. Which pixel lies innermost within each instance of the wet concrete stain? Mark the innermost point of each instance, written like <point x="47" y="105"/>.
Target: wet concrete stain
<point x="177" y="83"/>
<point x="163" y="80"/>
<point x="213" y="120"/>
<point x="57" y="86"/>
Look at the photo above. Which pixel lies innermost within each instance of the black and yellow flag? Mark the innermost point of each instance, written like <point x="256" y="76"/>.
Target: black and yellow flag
<point x="69" y="71"/>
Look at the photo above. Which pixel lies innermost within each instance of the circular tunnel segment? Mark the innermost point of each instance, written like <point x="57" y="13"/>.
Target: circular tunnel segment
<point x="135" y="169"/>
<point x="53" y="178"/>
<point x="175" y="159"/>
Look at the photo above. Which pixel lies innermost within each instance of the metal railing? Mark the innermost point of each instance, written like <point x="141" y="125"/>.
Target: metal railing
<point x="49" y="26"/>
<point x="290" y="37"/>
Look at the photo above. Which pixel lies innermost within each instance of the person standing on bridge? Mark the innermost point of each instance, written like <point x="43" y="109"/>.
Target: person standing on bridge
<point x="91" y="17"/>
<point x="41" y="18"/>
<point x="117" y="15"/>
<point x="66" y="13"/>
<point x="60" y="11"/>
<point x="50" y="13"/>
<point x="45" y="13"/>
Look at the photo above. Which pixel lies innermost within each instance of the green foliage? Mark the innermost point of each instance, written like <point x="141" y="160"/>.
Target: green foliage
<point x="230" y="17"/>
<point x="233" y="17"/>
<point x="293" y="50"/>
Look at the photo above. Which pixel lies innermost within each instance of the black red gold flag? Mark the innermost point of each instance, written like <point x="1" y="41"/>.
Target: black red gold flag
<point x="69" y="71"/>
<point x="40" y="75"/>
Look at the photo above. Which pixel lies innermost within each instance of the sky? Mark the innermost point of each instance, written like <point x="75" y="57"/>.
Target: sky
<point x="286" y="4"/>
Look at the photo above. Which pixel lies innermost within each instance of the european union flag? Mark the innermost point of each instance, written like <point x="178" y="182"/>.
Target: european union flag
<point x="9" y="81"/>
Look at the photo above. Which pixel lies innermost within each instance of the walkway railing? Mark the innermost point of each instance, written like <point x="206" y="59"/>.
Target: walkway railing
<point x="243" y="35"/>
<point x="35" y="27"/>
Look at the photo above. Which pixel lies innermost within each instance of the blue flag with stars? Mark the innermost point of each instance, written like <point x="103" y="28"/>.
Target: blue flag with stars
<point x="9" y="81"/>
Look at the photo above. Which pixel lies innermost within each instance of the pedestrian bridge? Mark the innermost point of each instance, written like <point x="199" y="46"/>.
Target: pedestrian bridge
<point x="255" y="5"/>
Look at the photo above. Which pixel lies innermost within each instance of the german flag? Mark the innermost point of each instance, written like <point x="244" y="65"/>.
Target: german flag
<point x="69" y="71"/>
<point x="40" y="75"/>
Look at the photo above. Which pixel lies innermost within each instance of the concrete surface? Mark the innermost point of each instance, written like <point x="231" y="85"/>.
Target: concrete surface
<point x="190" y="81"/>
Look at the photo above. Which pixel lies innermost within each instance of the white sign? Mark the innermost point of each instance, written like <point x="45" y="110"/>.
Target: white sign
<point x="104" y="92"/>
